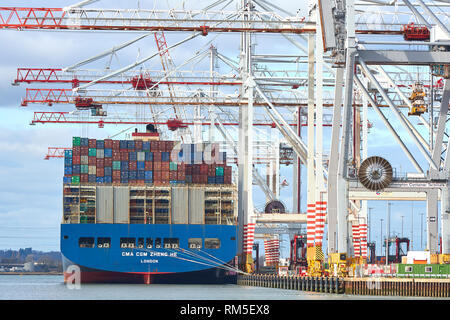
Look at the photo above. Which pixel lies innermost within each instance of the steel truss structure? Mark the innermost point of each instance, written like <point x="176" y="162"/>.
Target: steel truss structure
<point x="329" y="73"/>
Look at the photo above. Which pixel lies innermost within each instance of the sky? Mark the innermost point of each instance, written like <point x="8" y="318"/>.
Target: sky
<point x="31" y="187"/>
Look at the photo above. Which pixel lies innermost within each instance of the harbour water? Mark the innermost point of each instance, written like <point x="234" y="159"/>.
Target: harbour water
<point x="51" y="287"/>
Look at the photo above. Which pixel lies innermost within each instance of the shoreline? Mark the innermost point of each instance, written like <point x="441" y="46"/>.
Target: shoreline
<point x="23" y="273"/>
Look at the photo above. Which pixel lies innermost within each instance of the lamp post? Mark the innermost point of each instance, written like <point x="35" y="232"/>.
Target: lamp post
<point x="421" y="230"/>
<point x="402" y="225"/>
<point x="368" y="224"/>
<point x="388" y="231"/>
<point x="381" y="237"/>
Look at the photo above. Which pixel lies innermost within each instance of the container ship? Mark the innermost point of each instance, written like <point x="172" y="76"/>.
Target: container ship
<point x="148" y="211"/>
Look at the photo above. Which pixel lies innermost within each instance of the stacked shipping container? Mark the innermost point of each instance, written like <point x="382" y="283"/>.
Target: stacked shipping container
<point x="144" y="162"/>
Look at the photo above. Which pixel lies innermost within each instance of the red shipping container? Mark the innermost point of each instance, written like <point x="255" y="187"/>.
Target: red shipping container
<point x="92" y="161"/>
<point x="123" y="156"/>
<point x="165" y="166"/>
<point x="108" y="162"/>
<point x="165" y="175"/>
<point x="169" y="145"/>
<point x="132" y="181"/>
<point x="115" y="144"/>
<point x="100" y="172"/>
<point x="148" y="165"/>
<point x="204" y="169"/>
<point x="173" y="175"/>
<point x="116" y="155"/>
<point x="189" y="169"/>
<point x="227" y="170"/>
<point x="195" y="169"/>
<point x="227" y="179"/>
<point x="181" y="175"/>
<point x="181" y="166"/>
<point x="76" y="151"/>
<point x="100" y="163"/>
<point x="84" y="178"/>
<point x="156" y="166"/>
<point x="132" y="165"/>
<point x="211" y="170"/>
<point x="157" y="175"/>
<point x="203" y="179"/>
<point x="108" y="144"/>
<point x="116" y="179"/>
<point x="140" y="181"/>
<point x="84" y="151"/>
<point x="116" y="174"/>
<point x="154" y="146"/>
<point x="156" y="156"/>
<point x="92" y="143"/>
<point x="138" y="144"/>
<point x="76" y="159"/>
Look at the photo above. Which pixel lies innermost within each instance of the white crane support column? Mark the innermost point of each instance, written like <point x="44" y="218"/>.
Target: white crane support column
<point x="445" y="223"/>
<point x="245" y="155"/>
<point x="320" y="197"/>
<point x="310" y="176"/>
<point x="333" y="166"/>
<point x="342" y="184"/>
<point x="432" y="221"/>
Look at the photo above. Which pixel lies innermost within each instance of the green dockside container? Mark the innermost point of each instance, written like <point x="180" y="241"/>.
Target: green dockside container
<point x="173" y="166"/>
<point x="92" y="152"/>
<point x="219" y="171"/>
<point x="116" y="165"/>
<point x="83" y="219"/>
<point x="75" y="179"/>
<point x="76" y="141"/>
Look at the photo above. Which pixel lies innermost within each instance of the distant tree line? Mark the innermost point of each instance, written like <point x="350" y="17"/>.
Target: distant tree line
<point x="51" y="260"/>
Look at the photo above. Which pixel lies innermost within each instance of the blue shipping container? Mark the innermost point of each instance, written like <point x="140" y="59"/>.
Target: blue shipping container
<point x="132" y="175"/>
<point x="92" y="178"/>
<point x="141" y="165"/>
<point x="165" y="156"/>
<point x="219" y="180"/>
<point x="123" y="144"/>
<point x="108" y="153"/>
<point x="68" y="161"/>
<point x="146" y="145"/>
<point x="84" y="142"/>
<point x="140" y="174"/>
<point x="211" y="180"/>
<point x="67" y="179"/>
<point x="130" y="144"/>
<point x="100" y="144"/>
<point x="132" y="156"/>
<point x="149" y="156"/>
<point x="108" y="171"/>
<point x="68" y="170"/>
<point x="108" y="179"/>
<point x="68" y="153"/>
<point x="148" y="174"/>
<point x="124" y="165"/>
<point x="124" y="180"/>
<point x="99" y="180"/>
<point x="76" y="169"/>
<point x="124" y="174"/>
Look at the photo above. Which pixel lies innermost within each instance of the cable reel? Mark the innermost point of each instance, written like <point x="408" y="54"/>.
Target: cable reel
<point x="375" y="173"/>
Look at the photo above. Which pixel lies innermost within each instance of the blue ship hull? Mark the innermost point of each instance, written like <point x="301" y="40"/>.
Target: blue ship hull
<point x="140" y="264"/>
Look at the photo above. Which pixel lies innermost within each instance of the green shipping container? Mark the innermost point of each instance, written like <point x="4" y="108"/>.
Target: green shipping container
<point x="116" y="165"/>
<point x="92" y="152"/>
<point x="75" y="179"/>
<point x="83" y="219"/>
<point x="219" y="171"/>
<point x="173" y="166"/>
<point x="84" y="168"/>
<point x="76" y="141"/>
